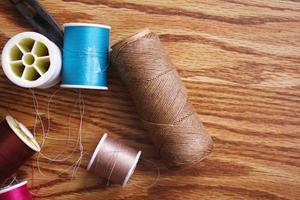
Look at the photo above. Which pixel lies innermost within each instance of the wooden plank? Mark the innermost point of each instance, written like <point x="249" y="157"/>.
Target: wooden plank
<point x="240" y="61"/>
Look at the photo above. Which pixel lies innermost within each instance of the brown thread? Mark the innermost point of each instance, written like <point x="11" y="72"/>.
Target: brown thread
<point x="161" y="99"/>
<point x="113" y="161"/>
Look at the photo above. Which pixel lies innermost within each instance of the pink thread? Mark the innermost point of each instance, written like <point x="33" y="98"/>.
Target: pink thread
<point x="18" y="191"/>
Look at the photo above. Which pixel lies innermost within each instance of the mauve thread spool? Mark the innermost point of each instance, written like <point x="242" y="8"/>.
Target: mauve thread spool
<point x="161" y="99"/>
<point x="16" y="192"/>
<point x="17" y="145"/>
<point x="113" y="161"/>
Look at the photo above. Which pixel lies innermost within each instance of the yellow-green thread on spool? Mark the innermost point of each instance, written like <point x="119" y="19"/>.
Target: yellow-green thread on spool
<point x="31" y="57"/>
<point x="31" y="60"/>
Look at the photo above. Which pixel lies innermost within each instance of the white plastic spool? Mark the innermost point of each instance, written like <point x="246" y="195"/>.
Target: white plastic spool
<point x="31" y="60"/>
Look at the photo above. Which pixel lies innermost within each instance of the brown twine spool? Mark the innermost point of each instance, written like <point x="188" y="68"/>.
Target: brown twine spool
<point x="161" y="99"/>
<point x="113" y="161"/>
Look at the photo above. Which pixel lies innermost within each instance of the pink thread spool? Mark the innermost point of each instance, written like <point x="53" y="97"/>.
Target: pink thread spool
<point x="16" y="192"/>
<point x="113" y="161"/>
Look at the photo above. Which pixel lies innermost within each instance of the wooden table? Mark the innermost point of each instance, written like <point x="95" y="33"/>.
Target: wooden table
<point x="240" y="61"/>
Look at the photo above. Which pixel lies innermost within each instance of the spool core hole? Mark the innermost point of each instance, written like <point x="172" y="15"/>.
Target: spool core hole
<point x="29" y="59"/>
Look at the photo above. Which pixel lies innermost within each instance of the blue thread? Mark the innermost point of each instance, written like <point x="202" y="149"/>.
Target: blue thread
<point x="85" y="56"/>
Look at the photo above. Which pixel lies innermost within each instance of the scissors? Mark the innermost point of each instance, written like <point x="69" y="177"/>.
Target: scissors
<point x="40" y="19"/>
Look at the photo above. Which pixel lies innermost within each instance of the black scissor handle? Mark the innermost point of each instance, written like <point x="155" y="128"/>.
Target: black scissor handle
<point x="40" y="19"/>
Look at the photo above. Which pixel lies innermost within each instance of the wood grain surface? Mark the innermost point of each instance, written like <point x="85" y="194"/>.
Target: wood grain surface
<point x="240" y="61"/>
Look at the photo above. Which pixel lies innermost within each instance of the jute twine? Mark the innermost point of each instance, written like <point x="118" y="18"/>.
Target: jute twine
<point x="161" y="99"/>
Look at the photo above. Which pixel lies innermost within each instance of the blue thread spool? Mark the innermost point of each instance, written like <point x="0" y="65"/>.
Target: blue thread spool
<point x="85" y="56"/>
